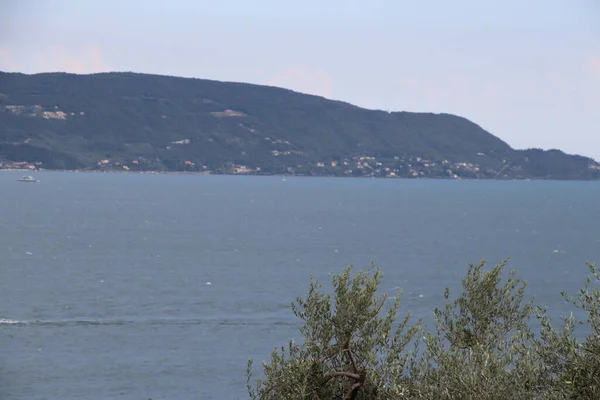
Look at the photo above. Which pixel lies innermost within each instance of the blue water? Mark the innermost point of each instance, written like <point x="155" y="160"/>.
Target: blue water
<point x="104" y="283"/>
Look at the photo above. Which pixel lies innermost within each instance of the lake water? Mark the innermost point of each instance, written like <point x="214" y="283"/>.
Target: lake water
<point x="104" y="282"/>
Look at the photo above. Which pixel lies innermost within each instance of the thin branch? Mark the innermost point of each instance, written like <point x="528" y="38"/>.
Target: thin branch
<point x="352" y="360"/>
<point x="346" y="374"/>
<point x="356" y="375"/>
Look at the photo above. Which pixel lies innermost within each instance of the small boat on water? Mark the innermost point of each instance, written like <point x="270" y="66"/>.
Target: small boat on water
<point x="27" y="178"/>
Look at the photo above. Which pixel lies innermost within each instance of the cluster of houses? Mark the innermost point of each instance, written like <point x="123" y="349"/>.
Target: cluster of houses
<point x="20" y="165"/>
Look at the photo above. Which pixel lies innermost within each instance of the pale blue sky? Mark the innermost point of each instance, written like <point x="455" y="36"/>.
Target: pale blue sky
<point x="528" y="71"/>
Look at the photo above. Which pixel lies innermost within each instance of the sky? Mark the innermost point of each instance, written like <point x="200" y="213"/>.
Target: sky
<point x="526" y="71"/>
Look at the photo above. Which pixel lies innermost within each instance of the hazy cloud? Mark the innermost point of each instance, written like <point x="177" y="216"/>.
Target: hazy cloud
<point x="595" y="63"/>
<point x="450" y="93"/>
<point x="304" y="80"/>
<point x="87" y="59"/>
<point x="5" y="55"/>
<point x="7" y="62"/>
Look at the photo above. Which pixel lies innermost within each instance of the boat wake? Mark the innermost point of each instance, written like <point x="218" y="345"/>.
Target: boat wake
<point x="10" y="321"/>
<point x="210" y="320"/>
<point x="98" y="322"/>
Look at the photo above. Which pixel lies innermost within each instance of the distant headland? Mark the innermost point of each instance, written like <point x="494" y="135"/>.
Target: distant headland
<point x="138" y="122"/>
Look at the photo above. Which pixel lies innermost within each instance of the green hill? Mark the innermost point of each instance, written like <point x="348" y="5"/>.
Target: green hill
<point x="128" y="121"/>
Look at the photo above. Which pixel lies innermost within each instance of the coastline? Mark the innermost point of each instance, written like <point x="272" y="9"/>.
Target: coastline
<point x="112" y="171"/>
<point x="149" y="172"/>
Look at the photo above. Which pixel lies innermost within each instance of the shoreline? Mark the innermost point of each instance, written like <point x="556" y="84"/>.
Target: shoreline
<point x="30" y="171"/>
<point x="111" y="171"/>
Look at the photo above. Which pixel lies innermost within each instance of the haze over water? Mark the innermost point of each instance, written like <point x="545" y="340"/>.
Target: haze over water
<point x="137" y="286"/>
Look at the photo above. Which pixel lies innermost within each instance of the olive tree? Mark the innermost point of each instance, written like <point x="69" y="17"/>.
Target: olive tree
<point x="353" y="346"/>
<point x="483" y="346"/>
<point x="572" y="361"/>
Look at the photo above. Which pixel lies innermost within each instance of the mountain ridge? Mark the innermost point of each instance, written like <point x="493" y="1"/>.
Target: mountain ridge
<point x="134" y="121"/>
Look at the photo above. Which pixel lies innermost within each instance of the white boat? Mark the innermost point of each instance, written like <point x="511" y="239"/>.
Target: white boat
<point x="27" y="178"/>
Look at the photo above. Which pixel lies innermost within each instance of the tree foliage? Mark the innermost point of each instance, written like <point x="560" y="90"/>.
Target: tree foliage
<point x="483" y="345"/>
<point x="353" y="349"/>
